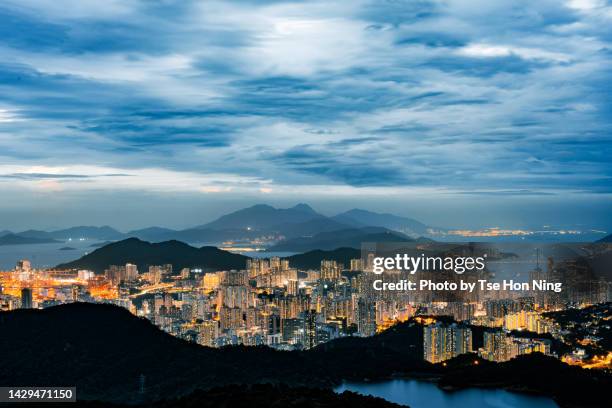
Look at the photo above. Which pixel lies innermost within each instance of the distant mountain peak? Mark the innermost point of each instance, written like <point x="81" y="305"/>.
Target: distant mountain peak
<point x="259" y="207"/>
<point x="358" y="217"/>
<point x="263" y="217"/>
<point x="361" y="211"/>
<point x="303" y="207"/>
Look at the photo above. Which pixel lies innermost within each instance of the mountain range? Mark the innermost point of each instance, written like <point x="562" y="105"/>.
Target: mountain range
<point x="299" y="228"/>
<point x="294" y="229"/>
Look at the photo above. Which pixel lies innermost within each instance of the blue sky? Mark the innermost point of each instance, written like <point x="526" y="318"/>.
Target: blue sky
<point x="459" y="113"/>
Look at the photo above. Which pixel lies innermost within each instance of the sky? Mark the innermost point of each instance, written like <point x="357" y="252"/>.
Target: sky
<point x="458" y="113"/>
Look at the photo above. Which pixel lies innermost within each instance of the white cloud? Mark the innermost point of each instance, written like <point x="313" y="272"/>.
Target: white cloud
<point x="486" y="51"/>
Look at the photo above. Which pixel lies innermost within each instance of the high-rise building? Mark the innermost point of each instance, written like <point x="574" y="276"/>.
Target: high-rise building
<point x="235" y="296"/>
<point x="292" y="287"/>
<point x="497" y="346"/>
<point x="115" y="274"/>
<point x="310" y="328"/>
<point x="211" y="281"/>
<point x="231" y="318"/>
<point x="293" y="331"/>
<point x="442" y="342"/>
<point x="131" y="272"/>
<point x="275" y="264"/>
<point x="85" y="275"/>
<point x="23" y="266"/>
<point x="26" y="298"/>
<point x="234" y="278"/>
<point x="256" y="267"/>
<point x="155" y="274"/>
<point x="366" y="317"/>
<point x="330" y="270"/>
<point x="209" y="331"/>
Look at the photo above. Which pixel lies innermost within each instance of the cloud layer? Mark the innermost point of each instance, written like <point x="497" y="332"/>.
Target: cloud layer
<point x="468" y="98"/>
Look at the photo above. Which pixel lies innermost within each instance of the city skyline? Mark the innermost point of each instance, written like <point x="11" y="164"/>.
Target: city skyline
<point x="457" y="115"/>
<point x="306" y="203"/>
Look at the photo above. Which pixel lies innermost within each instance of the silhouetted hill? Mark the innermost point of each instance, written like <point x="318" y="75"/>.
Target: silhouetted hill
<point x="100" y="233"/>
<point x="104" y="350"/>
<point x="214" y="236"/>
<point x="85" y="232"/>
<point x="12" y="239"/>
<point x="606" y="239"/>
<point x="570" y="386"/>
<point x="143" y="254"/>
<point x="308" y="228"/>
<point x="152" y="234"/>
<point x="35" y="234"/>
<point x="352" y="238"/>
<point x="312" y="259"/>
<point x="263" y="217"/>
<point x="363" y="218"/>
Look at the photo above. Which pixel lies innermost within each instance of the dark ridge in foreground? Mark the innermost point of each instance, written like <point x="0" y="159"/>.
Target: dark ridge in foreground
<point x="104" y="350"/>
<point x="261" y="395"/>
<point x="535" y="373"/>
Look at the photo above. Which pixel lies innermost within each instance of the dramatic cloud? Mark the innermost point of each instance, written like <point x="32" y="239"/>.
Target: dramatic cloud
<point x="452" y="98"/>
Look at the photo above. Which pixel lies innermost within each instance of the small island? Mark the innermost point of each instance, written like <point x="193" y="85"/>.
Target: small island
<point x="13" y="239"/>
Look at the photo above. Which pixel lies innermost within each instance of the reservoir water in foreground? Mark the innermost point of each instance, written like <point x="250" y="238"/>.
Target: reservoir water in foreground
<point x="423" y="394"/>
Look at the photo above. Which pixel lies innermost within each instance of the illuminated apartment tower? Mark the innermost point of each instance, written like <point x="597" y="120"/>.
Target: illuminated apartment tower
<point x="237" y="278"/>
<point x="310" y="328"/>
<point x="211" y="281"/>
<point x="366" y="317"/>
<point x="26" y="298"/>
<point x="257" y="267"/>
<point x="497" y="346"/>
<point x="209" y="331"/>
<point x="155" y="274"/>
<point x="230" y="318"/>
<point x="462" y="340"/>
<point x="235" y="296"/>
<point x="292" y="287"/>
<point x="275" y="264"/>
<point x="115" y="274"/>
<point x="330" y="270"/>
<point x="131" y="272"/>
<point x="356" y="265"/>
<point x="442" y="342"/>
<point x="434" y="343"/>
<point x="23" y="266"/>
